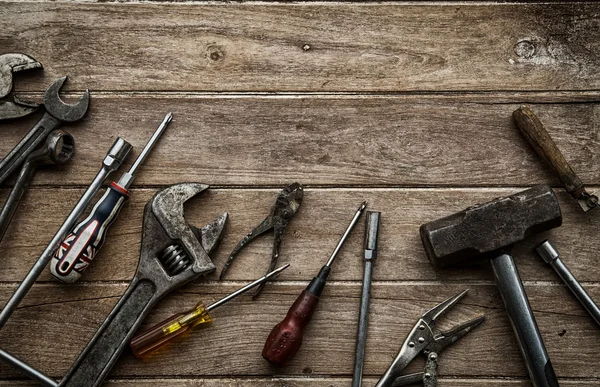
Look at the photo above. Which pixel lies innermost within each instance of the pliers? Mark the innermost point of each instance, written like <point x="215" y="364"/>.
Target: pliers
<point x="11" y="63"/>
<point x="424" y="338"/>
<point x="286" y="205"/>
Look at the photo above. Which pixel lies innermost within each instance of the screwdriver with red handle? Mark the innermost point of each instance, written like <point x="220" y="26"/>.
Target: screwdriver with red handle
<point x="79" y="247"/>
<point x="285" y="338"/>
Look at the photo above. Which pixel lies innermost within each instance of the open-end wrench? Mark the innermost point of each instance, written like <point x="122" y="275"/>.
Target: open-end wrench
<point x="12" y="63"/>
<point x="114" y="158"/>
<point x="58" y="149"/>
<point x="56" y="113"/>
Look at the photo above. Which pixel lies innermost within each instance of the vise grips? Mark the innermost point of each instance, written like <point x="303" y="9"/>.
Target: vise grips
<point x="172" y="253"/>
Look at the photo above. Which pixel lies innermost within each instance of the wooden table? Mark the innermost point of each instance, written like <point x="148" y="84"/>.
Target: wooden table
<point x="406" y="105"/>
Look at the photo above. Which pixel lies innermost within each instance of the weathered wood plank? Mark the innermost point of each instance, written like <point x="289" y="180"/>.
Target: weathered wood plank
<point x="310" y="238"/>
<point x="388" y="141"/>
<point x="299" y="382"/>
<point x="64" y="318"/>
<point x="300" y="47"/>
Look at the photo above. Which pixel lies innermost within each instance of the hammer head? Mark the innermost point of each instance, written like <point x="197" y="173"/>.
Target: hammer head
<point x="488" y="227"/>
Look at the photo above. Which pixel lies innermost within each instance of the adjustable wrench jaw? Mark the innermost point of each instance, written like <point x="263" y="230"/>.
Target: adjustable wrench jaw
<point x="12" y="63"/>
<point x="180" y="249"/>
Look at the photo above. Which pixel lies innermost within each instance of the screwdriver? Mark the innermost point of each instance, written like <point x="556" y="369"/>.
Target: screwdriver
<point x="285" y="338"/>
<point x="154" y="338"/>
<point x="79" y="247"/>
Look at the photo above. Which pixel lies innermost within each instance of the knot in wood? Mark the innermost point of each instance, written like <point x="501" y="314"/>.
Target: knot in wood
<point x="525" y="49"/>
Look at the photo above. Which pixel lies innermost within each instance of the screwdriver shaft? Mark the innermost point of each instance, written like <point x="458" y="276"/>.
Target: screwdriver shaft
<point x="127" y="178"/>
<point x="346" y="233"/>
<point x="246" y="288"/>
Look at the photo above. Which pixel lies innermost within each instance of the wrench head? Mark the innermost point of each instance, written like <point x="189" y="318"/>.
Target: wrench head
<point x="58" y="149"/>
<point x="11" y="63"/>
<point x="60" y="110"/>
<point x="172" y="251"/>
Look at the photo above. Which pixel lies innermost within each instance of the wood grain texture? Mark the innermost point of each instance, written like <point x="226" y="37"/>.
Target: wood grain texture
<point x="299" y="382"/>
<point x="309" y="47"/>
<point x="232" y="345"/>
<point x="387" y="141"/>
<point x="310" y="237"/>
<point x="405" y="105"/>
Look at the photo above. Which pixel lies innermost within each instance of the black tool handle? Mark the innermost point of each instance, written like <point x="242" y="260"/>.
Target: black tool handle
<point x="79" y="248"/>
<point x="523" y="322"/>
<point x="101" y="353"/>
<point x="33" y="139"/>
<point x="540" y="140"/>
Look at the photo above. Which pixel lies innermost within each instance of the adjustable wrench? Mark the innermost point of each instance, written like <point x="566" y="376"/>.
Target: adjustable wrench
<point x="11" y="63"/>
<point x="58" y="149"/>
<point x="172" y="254"/>
<point x="56" y="113"/>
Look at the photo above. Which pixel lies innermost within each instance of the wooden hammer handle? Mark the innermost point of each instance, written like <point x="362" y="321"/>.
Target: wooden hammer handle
<point x="540" y="140"/>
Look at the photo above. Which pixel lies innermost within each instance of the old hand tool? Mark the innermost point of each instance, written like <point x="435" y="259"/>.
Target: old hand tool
<point x="542" y="143"/>
<point x="56" y="113"/>
<point x="172" y="253"/>
<point x="113" y="160"/>
<point x="550" y="255"/>
<point x="426" y="339"/>
<point x="285" y="338"/>
<point x="58" y="149"/>
<point x="487" y="230"/>
<point x="286" y="205"/>
<point x="12" y="63"/>
<point x="162" y="333"/>
<point x="371" y="238"/>
<point x="79" y="248"/>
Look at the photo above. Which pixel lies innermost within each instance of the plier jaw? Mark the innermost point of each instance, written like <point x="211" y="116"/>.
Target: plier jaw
<point x="286" y="205"/>
<point x="426" y="339"/>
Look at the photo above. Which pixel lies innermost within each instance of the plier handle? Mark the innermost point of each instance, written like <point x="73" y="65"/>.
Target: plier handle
<point x="425" y="338"/>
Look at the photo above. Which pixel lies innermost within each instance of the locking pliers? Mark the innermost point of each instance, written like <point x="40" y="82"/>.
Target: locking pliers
<point x="424" y="338"/>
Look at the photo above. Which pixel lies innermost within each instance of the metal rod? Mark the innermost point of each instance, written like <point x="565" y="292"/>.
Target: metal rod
<point x="114" y="158"/>
<point x="247" y="287"/>
<point x="550" y="255"/>
<point x="345" y="236"/>
<point x="127" y="178"/>
<point x="371" y="238"/>
<point x="27" y="369"/>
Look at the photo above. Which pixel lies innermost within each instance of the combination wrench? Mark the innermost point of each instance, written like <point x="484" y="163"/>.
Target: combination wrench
<point x="56" y="113"/>
<point x="58" y="149"/>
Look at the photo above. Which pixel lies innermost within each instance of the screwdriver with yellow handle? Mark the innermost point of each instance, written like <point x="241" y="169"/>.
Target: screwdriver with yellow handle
<point x="159" y="335"/>
<point x="78" y="248"/>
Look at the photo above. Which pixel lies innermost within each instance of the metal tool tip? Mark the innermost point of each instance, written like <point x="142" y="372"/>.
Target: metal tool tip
<point x="278" y="270"/>
<point x="169" y="117"/>
<point x="363" y="206"/>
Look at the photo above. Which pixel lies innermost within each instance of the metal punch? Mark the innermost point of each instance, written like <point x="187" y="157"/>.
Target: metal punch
<point x="550" y="255"/>
<point x="426" y="339"/>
